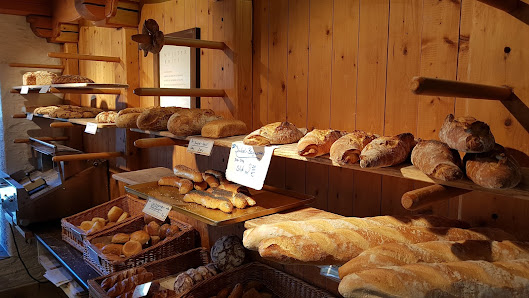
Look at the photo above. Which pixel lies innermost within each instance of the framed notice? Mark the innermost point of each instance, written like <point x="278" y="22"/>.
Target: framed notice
<point x="179" y="67"/>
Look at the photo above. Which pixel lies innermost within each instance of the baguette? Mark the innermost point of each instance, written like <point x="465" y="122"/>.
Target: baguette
<point x="210" y="180"/>
<point x="318" y="142"/>
<point x="387" y="151"/>
<point x="129" y="284"/>
<point x="466" y="134"/>
<point x="184" y="185"/>
<point x="338" y="246"/>
<point x="347" y="149"/>
<point x="252" y="237"/>
<point x="237" y="199"/>
<point x="398" y="254"/>
<point x="200" y="185"/>
<point x="209" y="201"/>
<point x="234" y="187"/>
<point x="187" y="173"/>
<point x="437" y="160"/>
<point x="453" y="279"/>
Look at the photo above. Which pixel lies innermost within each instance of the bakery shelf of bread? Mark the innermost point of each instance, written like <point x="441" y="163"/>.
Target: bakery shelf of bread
<point x="440" y="87"/>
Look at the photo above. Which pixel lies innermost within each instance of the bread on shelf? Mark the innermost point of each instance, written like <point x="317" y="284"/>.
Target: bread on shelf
<point x="273" y="134"/>
<point x="66" y="79"/>
<point x="40" y="77"/>
<point x="187" y="122"/>
<point x="466" y="134"/>
<point x="318" y="142"/>
<point x="347" y="149"/>
<point x="387" y="151"/>
<point x="437" y="160"/>
<point x="223" y="128"/>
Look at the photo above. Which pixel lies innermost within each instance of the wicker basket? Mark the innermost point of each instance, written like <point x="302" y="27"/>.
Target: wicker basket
<point x="160" y="269"/>
<point x="183" y="241"/>
<point x="280" y="283"/>
<point x="74" y="236"/>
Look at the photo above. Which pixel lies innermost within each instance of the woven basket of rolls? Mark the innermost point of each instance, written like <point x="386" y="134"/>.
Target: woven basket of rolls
<point x="142" y="240"/>
<point x="75" y="228"/>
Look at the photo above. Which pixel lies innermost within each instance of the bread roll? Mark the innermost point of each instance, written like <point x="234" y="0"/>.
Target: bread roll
<point x="86" y="225"/>
<point x="494" y="169"/>
<point x="398" y="254"/>
<point x="106" y="117"/>
<point x="122" y="217"/>
<point x="171" y="231"/>
<point x="209" y="201"/>
<point x="163" y="229"/>
<point x="387" y="151"/>
<point x="96" y="226"/>
<point x="347" y="149"/>
<point x="187" y="173"/>
<point x="274" y="133"/>
<point x="187" y="122"/>
<point x="114" y="249"/>
<point x="156" y="118"/>
<point x="210" y="180"/>
<point x="222" y="128"/>
<point x="141" y="236"/>
<point x="453" y="279"/>
<point x="466" y="134"/>
<point x="200" y="185"/>
<point x="437" y="160"/>
<point x="114" y="213"/>
<point x="184" y="185"/>
<point x="237" y="199"/>
<point x="120" y="238"/>
<point x="131" y="248"/>
<point x="153" y="228"/>
<point x="148" y="218"/>
<point x="318" y="142"/>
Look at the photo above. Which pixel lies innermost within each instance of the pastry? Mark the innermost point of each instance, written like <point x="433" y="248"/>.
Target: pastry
<point x="141" y="236"/>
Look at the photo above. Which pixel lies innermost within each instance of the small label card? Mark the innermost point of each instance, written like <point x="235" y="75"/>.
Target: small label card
<point x="157" y="209"/>
<point x="45" y="89"/>
<point x="24" y="90"/>
<point x="200" y="146"/>
<point x="29" y="116"/>
<point x="248" y="165"/>
<point x="91" y="128"/>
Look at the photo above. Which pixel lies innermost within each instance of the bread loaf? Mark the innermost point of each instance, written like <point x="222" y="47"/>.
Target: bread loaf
<point x="339" y="245"/>
<point x="187" y="122"/>
<point x="398" y="254"/>
<point x="318" y="142"/>
<point x="223" y="128"/>
<point x="209" y="201"/>
<point x="188" y="173"/>
<point x="65" y="79"/>
<point x="156" y="118"/>
<point x="211" y="180"/>
<point x="237" y="199"/>
<point x="110" y="281"/>
<point x="69" y="111"/>
<point x="274" y="133"/>
<point x="437" y="160"/>
<point x="466" y="134"/>
<point x="45" y="110"/>
<point x="40" y="77"/>
<point x="347" y="149"/>
<point x="184" y="185"/>
<point x="453" y="279"/>
<point x="106" y="117"/>
<point x="493" y="169"/>
<point x="387" y="151"/>
<point x="252" y="237"/>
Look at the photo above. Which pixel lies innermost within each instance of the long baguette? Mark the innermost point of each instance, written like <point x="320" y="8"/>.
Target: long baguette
<point x="209" y="201"/>
<point x="252" y="237"/>
<point x="187" y="173"/>
<point x="454" y="279"/>
<point x="237" y="199"/>
<point x="184" y="185"/>
<point x="110" y="281"/>
<point x="338" y="246"/>
<point x="398" y="254"/>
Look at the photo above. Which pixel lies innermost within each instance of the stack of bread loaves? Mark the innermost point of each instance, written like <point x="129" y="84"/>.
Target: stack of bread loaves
<point x="485" y="162"/>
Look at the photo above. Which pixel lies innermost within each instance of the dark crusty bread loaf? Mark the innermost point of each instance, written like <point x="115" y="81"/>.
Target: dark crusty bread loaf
<point x="156" y="118"/>
<point x="387" y="151"/>
<point x="493" y="169"/>
<point x="65" y="79"/>
<point x="127" y="118"/>
<point x="347" y="149"/>
<point x="187" y="122"/>
<point x="436" y="159"/>
<point x="274" y="133"/>
<point x="466" y="134"/>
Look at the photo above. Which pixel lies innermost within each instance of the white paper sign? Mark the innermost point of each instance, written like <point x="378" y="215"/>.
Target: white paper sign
<point x="91" y="128"/>
<point x="175" y="72"/>
<point x="248" y="165"/>
<point x="24" y="90"/>
<point x="200" y="146"/>
<point x="157" y="209"/>
<point x="29" y="116"/>
<point x="45" y="89"/>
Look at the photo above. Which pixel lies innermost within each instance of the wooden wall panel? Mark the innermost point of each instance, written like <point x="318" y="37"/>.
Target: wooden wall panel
<point x="261" y="15"/>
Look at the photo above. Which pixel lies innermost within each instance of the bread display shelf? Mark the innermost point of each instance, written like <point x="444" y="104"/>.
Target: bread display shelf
<point x="79" y="121"/>
<point x="405" y="170"/>
<point x="269" y="200"/>
<point x="76" y="88"/>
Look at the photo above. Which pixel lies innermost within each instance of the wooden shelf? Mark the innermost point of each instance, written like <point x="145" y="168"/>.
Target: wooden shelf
<point x="405" y="170"/>
<point x="79" y="121"/>
<point x="76" y="88"/>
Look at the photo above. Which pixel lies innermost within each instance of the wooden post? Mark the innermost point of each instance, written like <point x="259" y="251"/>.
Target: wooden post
<point x="158" y="142"/>
<point x="193" y="92"/>
<point x="19" y="116"/>
<point x="180" y="41"/>
<point x="424" y="197"/>
<point x="86" y="156"/>
<point x="61" y="125"/>
<point x="438" y="87"/>
<point x="27" y="65"/>
<point x="84" y="57"/>
<point x="505" y="5"/>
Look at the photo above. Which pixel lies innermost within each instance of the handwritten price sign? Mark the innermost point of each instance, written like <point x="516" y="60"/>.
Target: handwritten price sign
<point x="200" y="146"/>
<point x="157" y="209"/>
<point x="248" y="165"/>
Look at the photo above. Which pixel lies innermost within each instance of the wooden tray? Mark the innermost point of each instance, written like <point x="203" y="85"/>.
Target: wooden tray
<point x="269" y="200"/>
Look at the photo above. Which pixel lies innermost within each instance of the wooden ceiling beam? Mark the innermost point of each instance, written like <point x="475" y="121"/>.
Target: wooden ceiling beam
<point x="26" y="7"/>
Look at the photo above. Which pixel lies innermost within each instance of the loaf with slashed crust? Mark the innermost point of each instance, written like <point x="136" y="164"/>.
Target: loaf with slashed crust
<point x="437" y="160"/>
<point x="466" y="134"/>
<point x="187" y="122"/>
<point x="387" y="151"/>
<point x="156" y="118"/>
<point x="347" y="149"/>
<point x="274" y="133"/>
<point x="318" y="142"/>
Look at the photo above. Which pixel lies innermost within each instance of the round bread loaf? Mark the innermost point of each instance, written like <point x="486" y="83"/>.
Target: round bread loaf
<point x="466" y="134"/>
<point x="227" y="253"/>
<point x="436" y="159"/>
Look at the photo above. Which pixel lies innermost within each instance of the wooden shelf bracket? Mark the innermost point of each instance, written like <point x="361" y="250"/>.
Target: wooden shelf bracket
<point x="426" y="196"/>
<point x="193" y="92"/>
<point x="439" y="87"/>
<point x="84" y="57"/>
<point x="27" y="65"/>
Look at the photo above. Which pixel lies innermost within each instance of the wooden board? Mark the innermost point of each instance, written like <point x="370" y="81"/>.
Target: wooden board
<point x="269" y="200"/>
<point x="142" y="176"/>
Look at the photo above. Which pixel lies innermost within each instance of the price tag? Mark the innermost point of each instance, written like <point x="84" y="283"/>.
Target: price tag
<point x="29" y="116"/>
<point x="157" y="209"/>
<point x="24" y="90"/>
<point x="200" y="146"/>
<point x="248" y="165"/>
<point x="45" y="89"/>
<point x="91" y="128"/>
